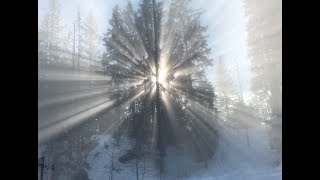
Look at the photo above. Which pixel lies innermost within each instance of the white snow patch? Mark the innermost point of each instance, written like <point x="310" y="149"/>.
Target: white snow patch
<point x="233" y="160"/>
<point x="99" y="157"/>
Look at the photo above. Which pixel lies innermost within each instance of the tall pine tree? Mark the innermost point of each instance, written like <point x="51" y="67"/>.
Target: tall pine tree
<point x="265" y="53"/>
<point x="156" y="58"/>
<point x="50" y="34"/>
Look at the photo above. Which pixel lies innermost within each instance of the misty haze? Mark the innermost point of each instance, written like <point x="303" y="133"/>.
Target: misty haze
<point x="159" y="89"/>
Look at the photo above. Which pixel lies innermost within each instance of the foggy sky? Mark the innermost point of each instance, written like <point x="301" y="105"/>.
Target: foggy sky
<point x="225" y="21"/>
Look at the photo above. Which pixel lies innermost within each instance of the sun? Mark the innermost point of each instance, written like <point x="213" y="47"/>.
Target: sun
<point x="162" y="76"/>
<point x="154" y="79"/>
<point x="160" y="79"/>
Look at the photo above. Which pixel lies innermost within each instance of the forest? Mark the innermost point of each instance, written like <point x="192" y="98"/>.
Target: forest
<point x="159" y="89"/>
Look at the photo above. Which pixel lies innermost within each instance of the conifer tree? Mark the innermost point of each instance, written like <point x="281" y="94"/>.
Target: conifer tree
<point x="156" y="58"/>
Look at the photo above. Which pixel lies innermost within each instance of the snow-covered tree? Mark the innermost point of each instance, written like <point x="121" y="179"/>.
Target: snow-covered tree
<point x="50" y="34"/>
<point x="156" y="57"/>
<point x="90" y="40"/>
<point x="265" y="53"/>
<point x="227" y="95"/>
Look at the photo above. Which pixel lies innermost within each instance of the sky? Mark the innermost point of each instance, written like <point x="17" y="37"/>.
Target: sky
<point x="226" y="23"/>
<point x="226" y="30"/>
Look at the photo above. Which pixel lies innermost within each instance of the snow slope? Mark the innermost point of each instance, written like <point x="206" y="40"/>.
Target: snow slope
<point x="234" y="160"/>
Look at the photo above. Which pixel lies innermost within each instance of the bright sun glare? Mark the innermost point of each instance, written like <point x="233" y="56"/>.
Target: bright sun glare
<point x="160" y="79"/>
<point x="162" y="76"/>
<point x="154" y="79"/>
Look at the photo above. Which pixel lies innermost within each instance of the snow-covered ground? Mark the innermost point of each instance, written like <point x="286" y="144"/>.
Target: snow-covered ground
<point x="234" y="159"/>
<point x="99" y="160"/>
